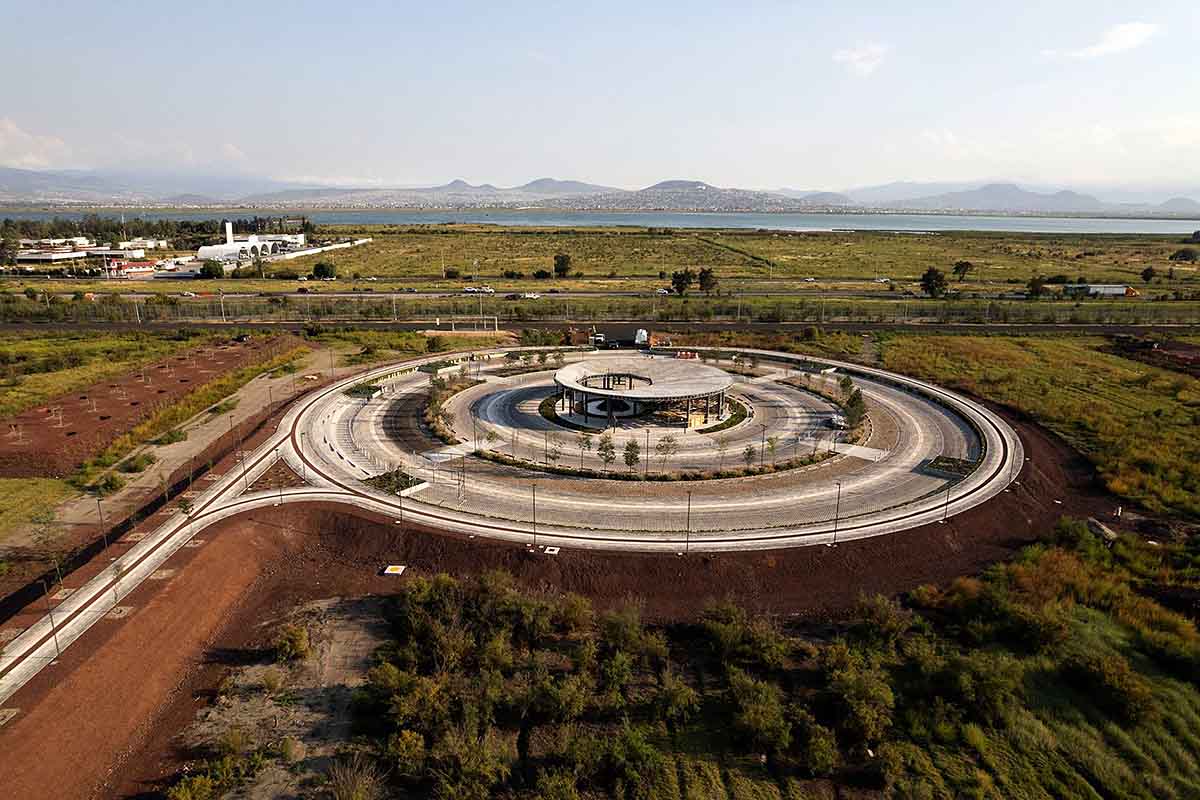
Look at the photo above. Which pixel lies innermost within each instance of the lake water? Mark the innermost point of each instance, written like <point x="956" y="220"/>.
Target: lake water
<point x="588" y="219"/>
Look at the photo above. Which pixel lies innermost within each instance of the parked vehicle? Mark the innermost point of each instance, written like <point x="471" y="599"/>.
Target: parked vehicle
<point x="531" y="296"/>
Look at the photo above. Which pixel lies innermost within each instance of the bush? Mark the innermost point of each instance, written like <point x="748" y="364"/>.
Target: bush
<point x="760" y="711"/>
<point x="193" y="787"/>
<point x="867" y="700"/>
<point x="816" y="746"/>
<point x="354" y="778"/>
<point x="292" y="643"/>
<point x="292" y="750"/>
<point x="234" y="742"/>
<point x="272" y="681"/>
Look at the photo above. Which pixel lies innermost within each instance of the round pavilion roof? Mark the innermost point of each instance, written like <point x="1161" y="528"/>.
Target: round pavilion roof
<point x="655" y="379"/>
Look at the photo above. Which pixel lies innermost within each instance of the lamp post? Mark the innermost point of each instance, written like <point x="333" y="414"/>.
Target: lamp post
<point x="535" y="515"/>
<point x="762" y="447"/>
<point x="303" y="467"/>
<point x="946" y="507"/>
<point x="687" y="545"/>
<point x="837" y="512"/>
<point x="103" y="529"/>
<point x="50" y="613"/>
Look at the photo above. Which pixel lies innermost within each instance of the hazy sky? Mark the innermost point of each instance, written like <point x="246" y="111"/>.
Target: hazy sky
<point x="752" y="94"/>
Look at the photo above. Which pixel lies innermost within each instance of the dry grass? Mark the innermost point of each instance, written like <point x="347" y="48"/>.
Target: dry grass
<point x="1136" y="423"/>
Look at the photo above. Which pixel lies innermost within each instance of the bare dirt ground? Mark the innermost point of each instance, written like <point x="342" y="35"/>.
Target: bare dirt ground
<point x="54" y="439"/>
<point x="104" y="720"/>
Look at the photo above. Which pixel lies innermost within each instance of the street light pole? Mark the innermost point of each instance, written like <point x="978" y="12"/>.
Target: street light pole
<point x="103" y="528"/>
<point x="535" y="515"/>
<point x="762" y="448"/>
<point x="687" y="546"/>
<point x="50" y="613"/>
<point x="946" y="508"/>
<point x="837" y="512"/>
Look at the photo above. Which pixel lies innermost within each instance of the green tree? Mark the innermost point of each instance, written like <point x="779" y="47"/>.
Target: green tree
<point x="760" y="713"/>
<point x="606" y="450"/>
<point x="722" y="443"/>
<point x="1149" y="274"/>
<point x="666" y="447"/>
<point x="585" y="446"/>
<point x="324" y="269"/>
<point x="682" y="280"/>
<point x="1188" y="254"/>
<point x="748" y="456"/>
<point x="773" y="447"/>
<point x="962" y="268"/>
<point x="1036" y="287"/>
<point x="708" y="280"/>
<point x="562" y="265"/>
<point x="212" y="270"/>
<point x="933" y="282"/>
<point x="632" y="454"/>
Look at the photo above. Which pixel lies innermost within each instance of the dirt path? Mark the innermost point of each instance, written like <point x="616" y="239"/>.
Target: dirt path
<point x="102" y="722"/>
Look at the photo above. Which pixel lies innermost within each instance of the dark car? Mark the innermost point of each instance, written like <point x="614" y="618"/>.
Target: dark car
<point x="410" y="289"/>
<point x="513" y="296"/>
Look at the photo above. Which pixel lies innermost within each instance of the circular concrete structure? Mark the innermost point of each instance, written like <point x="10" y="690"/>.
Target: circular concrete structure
<point x="618" y="387"/>
<point x="899" y="476"/>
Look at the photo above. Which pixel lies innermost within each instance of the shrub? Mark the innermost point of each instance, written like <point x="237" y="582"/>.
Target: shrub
<point x="866" y="697"/>
<point x="816" y="745"/>
<point x="272" y="681"/>
<point x="406" y="751"/>
<point x="233" y="742"/>
<point x="574" y="613"/>
<point x="193" y="787"/>
<point x="557" y="785"/>
<point x="292" y="643"/>
<point x="675" y="701"/>
<point x="760" y="711"/>
<point x="292" y="750"/>
<point x="354" y="778"/>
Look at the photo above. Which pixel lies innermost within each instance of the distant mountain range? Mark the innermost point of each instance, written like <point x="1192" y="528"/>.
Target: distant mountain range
<point x="98" y="188"/>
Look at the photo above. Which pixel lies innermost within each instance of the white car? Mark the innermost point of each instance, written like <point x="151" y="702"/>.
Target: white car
<point x="302" y="278"/>
<point x="470" y="290"/>
<point x="486" y="290"/>
<point x="662" y="291"/>
<point x="189" y="294"/>
<point x="531" y="296"/>
<point x="810" y="280"/>
<point x="372" y="278"/>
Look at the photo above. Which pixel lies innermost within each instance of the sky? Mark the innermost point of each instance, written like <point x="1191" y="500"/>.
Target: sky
<point x="749" y="94"/>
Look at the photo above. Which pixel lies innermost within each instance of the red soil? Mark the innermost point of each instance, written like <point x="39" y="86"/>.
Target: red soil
<point x="54" y="439"/>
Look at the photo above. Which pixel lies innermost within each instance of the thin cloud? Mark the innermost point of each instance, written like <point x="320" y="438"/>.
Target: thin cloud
<point x="862" y="59"/>
<point x="1116" y="39"/>
<point x="25" y="150"/>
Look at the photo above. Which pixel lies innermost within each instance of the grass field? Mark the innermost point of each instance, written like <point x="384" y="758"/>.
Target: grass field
<point x="640" y="259"/>
<point x="1135" y="422"/>
<point x="36" y="368"/>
